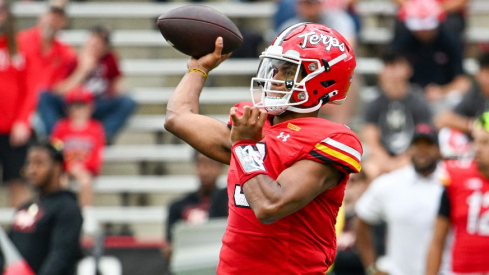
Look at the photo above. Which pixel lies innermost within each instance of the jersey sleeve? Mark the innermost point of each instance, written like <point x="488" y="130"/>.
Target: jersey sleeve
<point x="342" y="150"/>
<point x="444" y="210"/>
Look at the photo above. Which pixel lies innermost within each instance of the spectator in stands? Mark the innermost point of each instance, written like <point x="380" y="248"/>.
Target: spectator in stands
<point x="314" y="11"/>
<point x="83" y="141"/>
<point x="406" y="199"/>
<point x="46" y="230"/>
<point x="98" y="70"/>
<point x="473" y="104"/>
<point x="454" y="10"/>
<point x="464" y="209"/>
<point x="391" y="118"/>
<point x="46" y="56"/>
<point x="435" y="54"/>
<point x="15" y="109"/>
<point x="194" y="207"/>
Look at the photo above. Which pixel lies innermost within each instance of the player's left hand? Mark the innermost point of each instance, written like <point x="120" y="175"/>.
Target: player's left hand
<point x="249" y="126"/>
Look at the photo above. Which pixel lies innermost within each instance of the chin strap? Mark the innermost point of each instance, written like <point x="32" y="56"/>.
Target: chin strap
<point x="305" y="110"/>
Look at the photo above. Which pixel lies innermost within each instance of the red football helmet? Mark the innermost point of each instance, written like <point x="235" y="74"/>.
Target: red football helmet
<point x="307" y="66"/>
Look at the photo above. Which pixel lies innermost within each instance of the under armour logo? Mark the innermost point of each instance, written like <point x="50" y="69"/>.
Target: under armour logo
<point x="283" y="137"/>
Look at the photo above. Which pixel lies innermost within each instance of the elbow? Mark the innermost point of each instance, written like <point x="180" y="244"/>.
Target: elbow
<point x="267" y="213"/>
<point x="171" y="122"/>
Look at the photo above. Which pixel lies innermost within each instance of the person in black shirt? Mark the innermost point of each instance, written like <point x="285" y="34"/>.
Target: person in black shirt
<point x="197" y="207"/>
<point x="390" y="119"/>
<point x="473" y="104"/>
<point x="436" y="55"/>
<point x="46" y="230"/>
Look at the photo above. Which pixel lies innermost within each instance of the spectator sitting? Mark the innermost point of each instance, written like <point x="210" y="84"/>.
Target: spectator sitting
<point x="195" y="207"/>
<point x="97" y="68"/>
<point x="435" y="54"/>
<point x="46" y="56"/>
<point x="390" y="119"/>
<point x="83" y="142"/>
<point x="314" y="11"/>
<point x="455" y="11"/>
<point x="473" y="104"/>
<point x="15" y="110"/>
<point x="46" y="230"/>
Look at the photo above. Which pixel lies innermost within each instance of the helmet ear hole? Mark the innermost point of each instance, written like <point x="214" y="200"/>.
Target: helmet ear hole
<point x="327" y="83"/>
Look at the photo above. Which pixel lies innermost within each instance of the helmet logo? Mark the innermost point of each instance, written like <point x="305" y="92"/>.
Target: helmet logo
<point x="327" y="40"/>
<point x="289" y="83"/>
<point x="312" y="67"/>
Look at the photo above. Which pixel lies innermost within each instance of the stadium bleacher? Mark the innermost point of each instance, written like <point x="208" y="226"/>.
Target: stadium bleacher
<point x="153" y="68"/>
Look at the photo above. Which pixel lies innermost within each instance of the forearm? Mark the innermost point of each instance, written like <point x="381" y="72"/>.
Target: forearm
<point x="185" y="98"/>
<point x="75" y="79"/>
<point x="453" y="120"/>
<point x="264" y="197"/>
<point x="434" y="259"/>
<point x="459" y="84"/>
<point x="364" y="243"/>
<point x="453" y="5"/>
<point x="207" y="135"/>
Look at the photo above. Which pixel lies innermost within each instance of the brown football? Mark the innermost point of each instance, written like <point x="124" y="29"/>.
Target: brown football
<point x="193" y="30"/>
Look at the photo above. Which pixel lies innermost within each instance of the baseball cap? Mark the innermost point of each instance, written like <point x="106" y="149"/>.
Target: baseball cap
<point x="425" y="131"/>
<point x="79" y="94"/>
<point x="420" y="15"/>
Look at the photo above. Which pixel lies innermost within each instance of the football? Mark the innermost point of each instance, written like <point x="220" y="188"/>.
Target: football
<point x="193" y="30"/>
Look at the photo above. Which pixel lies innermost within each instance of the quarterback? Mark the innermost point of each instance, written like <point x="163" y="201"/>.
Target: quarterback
<point x="288" y="168"/>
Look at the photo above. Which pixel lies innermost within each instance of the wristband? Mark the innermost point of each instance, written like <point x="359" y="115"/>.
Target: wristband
<point x="249" y="162"/>
<point x="204" y="74"/>
<point x="371" y="270"/>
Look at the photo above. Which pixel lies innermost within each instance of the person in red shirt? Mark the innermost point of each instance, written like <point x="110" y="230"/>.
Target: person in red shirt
<point x="288" y="167"/>
<point x="464" y="208"/>
<point x="46" y="56"/>
<point x="97" y="69"/>
<point x="83" y="141"/>
<point x="15" y="109"/>
<point x="455" y="11"/>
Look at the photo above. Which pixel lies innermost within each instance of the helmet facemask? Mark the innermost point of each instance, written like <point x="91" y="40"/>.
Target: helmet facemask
<point x="278" y="79"/>
<point x="282" y="79"/>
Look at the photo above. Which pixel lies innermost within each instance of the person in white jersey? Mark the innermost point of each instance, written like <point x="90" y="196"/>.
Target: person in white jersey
<point x="407" y="200"/>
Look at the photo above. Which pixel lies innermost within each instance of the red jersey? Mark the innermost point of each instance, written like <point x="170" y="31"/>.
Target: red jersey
<point x="102" y="78"/>
<point x="81" y="145"/>
<point x="303" y="242"/>
<point x="16" y="104"/>
<point x="468" y="195"/>
<point x="44" y="68"/>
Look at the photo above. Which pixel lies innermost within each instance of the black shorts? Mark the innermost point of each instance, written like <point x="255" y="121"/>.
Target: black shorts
<point x="12" y="159"/>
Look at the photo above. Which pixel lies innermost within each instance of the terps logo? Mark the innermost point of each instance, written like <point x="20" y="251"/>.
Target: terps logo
<point x="327" y="40"/>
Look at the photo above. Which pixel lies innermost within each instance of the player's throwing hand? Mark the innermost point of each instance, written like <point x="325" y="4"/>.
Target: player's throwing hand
<point x="209" y="61"/>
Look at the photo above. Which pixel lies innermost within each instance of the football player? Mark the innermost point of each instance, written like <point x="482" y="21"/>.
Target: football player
<point x="465" y="208"/>
<point x="288" y="168"/>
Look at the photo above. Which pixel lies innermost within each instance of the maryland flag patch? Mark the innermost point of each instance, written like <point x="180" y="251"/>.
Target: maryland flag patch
<point x="338" y="154"/>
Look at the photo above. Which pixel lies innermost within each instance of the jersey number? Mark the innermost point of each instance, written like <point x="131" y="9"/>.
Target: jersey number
<point x="239" y="196"/>
<point x="477" y="222"/>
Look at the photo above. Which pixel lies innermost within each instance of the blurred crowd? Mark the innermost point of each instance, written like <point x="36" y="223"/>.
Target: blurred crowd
<point x="61" y="106"/>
